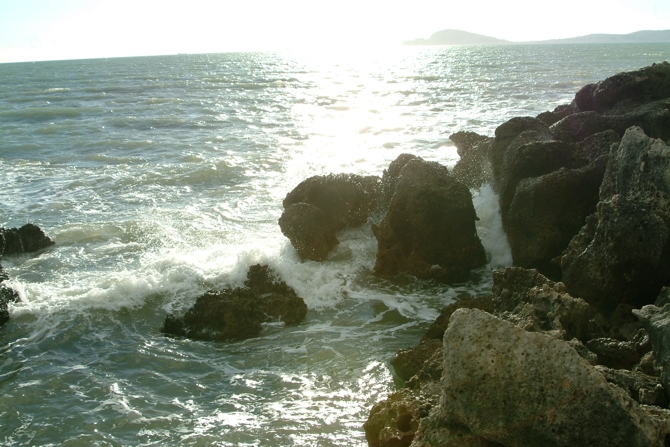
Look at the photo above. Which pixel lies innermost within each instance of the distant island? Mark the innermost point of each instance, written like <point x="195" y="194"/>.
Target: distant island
<point x="458" y="37"/>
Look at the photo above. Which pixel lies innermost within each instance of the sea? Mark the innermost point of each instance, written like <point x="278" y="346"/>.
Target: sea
<point x="159" y="178"/>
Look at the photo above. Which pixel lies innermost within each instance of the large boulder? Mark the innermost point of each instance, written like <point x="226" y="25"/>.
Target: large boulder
<point x="322" y="205"/>
<point x="309" y="231"/>
<point x="548" y="211"/>
<point x="231" y="314"/>
<point x="429" y="229"/>
<point x="347" y="200"/>
<point x="622" y="254"/>
<point x="510" y="387"/>
<point x="29" y="238"/>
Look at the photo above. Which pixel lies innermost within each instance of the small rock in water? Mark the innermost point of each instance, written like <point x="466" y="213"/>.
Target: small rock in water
<point x="235" y="314"/>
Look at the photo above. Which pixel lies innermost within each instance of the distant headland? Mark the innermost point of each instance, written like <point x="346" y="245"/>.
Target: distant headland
<point x="458" y="37"/>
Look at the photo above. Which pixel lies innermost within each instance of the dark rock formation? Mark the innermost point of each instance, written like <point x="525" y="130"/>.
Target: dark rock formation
<point x="473" y="169"/>
<point x="322" y="205"/>
<point x="347" y="200"/>
<point x="392" y="175"/>
<point x="28" y="238"/>
<point x="548" y="211"/>
<point x="622" y="254"/>
<point x="309" y="231"/>
<point x="229" y="314"/>
<point x="564" y="400"/>
<point x="429" y="229"/>
<point x="7" y="295"/>
<point x="625" y="90"/>
<point x="656" y="320"/>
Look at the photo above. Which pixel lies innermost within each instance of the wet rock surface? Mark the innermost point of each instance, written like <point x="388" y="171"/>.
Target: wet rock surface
<point x="429" y="229"/>
<point x="570" y="349"/>
<point x="235" y="314"/>
<point x="27" y="239"/>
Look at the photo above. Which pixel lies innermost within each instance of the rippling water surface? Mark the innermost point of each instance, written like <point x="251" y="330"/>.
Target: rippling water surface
<point x="161" y="177"/>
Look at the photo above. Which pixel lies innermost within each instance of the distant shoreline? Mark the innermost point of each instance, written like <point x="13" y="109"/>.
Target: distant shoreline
<point x="459" y="37"/>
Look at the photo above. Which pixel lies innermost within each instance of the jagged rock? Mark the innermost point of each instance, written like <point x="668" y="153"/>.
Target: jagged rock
<point x="513" y="134"/>
<point x="391" y="176"/>
<point x="29" y="238"/>
<point x="558" y="113"/>
<point x="619" y="354"/>
<point x="624" y="90"/>
<point x="230" y="314"/>
<point x="537" y="304"/>
<point x="656" y="321"/>
<point x="347" y="200"/>
<point x="429" y="229"/>
<point x="412" y="361"/>
<point x="437" y="327"/>
<point x="548" y="211"/>
<point x="517" y="388"/>
<point x="623" y="253"/>
<point x="474" y="168"/>
<point x="642" y="388"/>
<point x="408" y="362"/>
<point x="308" y="229"/>
<point x="394" y="421"/>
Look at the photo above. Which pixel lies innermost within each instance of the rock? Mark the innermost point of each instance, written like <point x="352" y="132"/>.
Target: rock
<point x="512" y="135"/>
<point x="437" y="328"/>
<point x="277" y="300"/>
<point x="558" y="113"/>
<point x="29" y="238"/>
<point x="394" y="421"/>
<point x="656" y="321"/>
<point x="7" y="295"/>
<point x="347" y="200"/>
<point x="408" y="362"/>
<point x="624" y="90"/>
<point x="474" y="168"/>
<point x="308" y="229"/>
<point x="429" y="229"/>
<point x="536" y="304"/>
<point x="391" y="176"/>
<point x="235" y="314"/>
<point x="642" y="388"/>
<point x="619" y="354"/>
<point x="517" y="388"/>
<point x="548" y="211"/>
<point x="623" y="253"/>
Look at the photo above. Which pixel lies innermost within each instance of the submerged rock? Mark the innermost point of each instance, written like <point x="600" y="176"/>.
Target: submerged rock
<point x="28" y="238"/>
<point x="429" y="229"/>
<point x="221" y="315"/>
<point x="511" y="387"/>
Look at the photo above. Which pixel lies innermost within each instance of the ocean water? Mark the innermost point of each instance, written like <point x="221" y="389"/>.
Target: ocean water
<point x="161" y="177"/>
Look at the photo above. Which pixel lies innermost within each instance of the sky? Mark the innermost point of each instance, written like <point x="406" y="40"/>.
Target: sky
<point x="32" y="30"/>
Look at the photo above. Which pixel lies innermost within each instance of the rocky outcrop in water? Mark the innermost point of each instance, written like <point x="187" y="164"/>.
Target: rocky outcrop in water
<point x="235" y="314"/>
<point x="548" y="169"/>
<point x="570" y="362"/>
<point x="29" y="238"/>
<point x="14" y="241"/>
<point x="429" y="228"/>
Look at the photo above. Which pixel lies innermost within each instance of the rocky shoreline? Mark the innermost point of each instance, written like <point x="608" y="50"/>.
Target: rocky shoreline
<point x="572" y="347"/>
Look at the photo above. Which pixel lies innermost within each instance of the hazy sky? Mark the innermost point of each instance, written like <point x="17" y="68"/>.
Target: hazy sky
<point x="67" y="29"/>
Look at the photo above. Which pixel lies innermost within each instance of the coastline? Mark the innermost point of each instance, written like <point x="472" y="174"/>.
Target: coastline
<point x="565" y="358"/>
